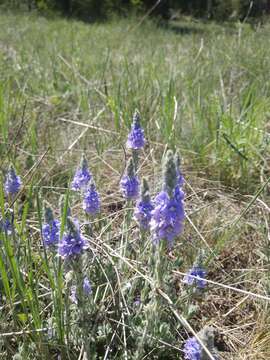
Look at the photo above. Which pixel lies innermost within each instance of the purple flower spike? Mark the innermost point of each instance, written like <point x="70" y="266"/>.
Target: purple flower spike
<point x="167" y="218"/>
<point x="136" y="138"/>
<point x="50" y="229"/>
<point x="91" y="200"/>
<point x="73" y="243"/>
<point x="144" y="207"/>
<point x="50" y="233"/>
<point x="168" y="214"/>
<point x="13" y="182"/>
<point x="130" y="187"/>
<point x="192" y="349"/>
<point x="129" y="183"/>
<point x="192" y="277"/>
<point x="87" y="288"/>
<point x="82" y="176"/>
<point x="142" y="214"/>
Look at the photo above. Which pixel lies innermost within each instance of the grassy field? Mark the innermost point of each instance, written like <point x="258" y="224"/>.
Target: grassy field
<point x="68" y="88"/>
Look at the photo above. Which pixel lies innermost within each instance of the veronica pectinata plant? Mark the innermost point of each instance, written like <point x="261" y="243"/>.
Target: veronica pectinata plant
<point x="168" y="214"/>
<point x="71" y="249"/>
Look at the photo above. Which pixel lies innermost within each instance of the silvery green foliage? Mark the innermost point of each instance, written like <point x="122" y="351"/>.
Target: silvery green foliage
<point x="180" y="178"/>
<point x="193" y="350"/>
<point x="169" y="173"/>
<point x="207" y="336"/>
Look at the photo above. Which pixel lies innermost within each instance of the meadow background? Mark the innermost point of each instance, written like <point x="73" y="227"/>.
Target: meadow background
<point x="202" y="88"/>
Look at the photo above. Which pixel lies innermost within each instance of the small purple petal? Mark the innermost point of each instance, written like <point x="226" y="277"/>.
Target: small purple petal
<point x="142" y="213"/>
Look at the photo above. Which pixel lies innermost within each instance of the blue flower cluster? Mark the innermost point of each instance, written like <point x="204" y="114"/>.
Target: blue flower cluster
<point x="130" y="187"/>
<point x="196" y="277"/>
<point x="91" y="200"/>
<point x="13" y="182"/>
<point x="82" y="176"/>
<point x="129" y="183"/>
<point x="50" y="229"/>
<point x="73" y="243"/>
<point x="142" y="213"/>
<point x="50" y="233"/>
<point x="144" y="207"/>
<point x="168" y="214"/>
<point x="83" y="181"/>
<point x="192" y="349"/>
<point x="167" y="217"/>
<point x="136" y="138"/>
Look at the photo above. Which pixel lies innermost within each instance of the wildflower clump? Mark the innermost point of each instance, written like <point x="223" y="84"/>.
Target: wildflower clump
<point x="136" y="139"/>
<point x="129" y="184"/>
<point x="13" y="182"/>
<point x="144" y="207"/>
<point x="168" y="213"/>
